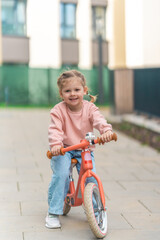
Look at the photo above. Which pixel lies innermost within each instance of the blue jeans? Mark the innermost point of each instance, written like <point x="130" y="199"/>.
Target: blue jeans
<point x="59" y="185"/>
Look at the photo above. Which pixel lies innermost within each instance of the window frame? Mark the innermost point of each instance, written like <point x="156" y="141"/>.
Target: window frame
<point x="63" y="24"/>
<point x="15" y="24"/>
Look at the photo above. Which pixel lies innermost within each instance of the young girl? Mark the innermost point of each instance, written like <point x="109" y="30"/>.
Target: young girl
<point x="71" y="119"/>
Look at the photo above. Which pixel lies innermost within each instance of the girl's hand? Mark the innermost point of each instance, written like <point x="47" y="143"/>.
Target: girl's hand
<point x="107" y="136"/>
<point x="55" y="150"/>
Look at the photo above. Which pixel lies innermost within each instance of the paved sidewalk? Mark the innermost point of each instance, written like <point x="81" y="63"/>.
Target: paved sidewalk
<point x="130" y="173"/>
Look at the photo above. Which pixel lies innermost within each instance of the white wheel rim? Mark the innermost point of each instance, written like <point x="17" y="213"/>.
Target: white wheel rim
<point x="102" y="220"/>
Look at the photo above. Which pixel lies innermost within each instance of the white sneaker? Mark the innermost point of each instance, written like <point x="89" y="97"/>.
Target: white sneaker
<point x="52" y="221"/>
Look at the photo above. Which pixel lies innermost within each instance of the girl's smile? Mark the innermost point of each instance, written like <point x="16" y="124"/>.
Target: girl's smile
<point x="72" y="93"/>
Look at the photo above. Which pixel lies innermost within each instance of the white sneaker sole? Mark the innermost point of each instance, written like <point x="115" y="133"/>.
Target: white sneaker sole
<point x="52" y="227"/>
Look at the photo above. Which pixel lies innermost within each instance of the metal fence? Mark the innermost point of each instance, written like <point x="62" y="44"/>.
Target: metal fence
<point x="21" y="85"/>
<point x="147" y="91"/>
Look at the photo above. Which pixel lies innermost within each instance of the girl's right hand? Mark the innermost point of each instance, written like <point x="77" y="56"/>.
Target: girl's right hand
<point x="55" y="150"/>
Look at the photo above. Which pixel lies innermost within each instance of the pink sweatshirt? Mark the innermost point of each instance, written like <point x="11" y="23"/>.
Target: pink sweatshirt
<point x="68" y="128"/>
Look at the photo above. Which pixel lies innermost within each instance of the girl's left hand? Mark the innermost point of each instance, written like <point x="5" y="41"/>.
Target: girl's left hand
<point x="107" y="136"/>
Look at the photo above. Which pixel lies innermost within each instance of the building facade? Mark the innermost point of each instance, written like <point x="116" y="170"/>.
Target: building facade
<point x="121" y="38"/>
<point x="134" y="47"/>
<point x="37" y="43"/>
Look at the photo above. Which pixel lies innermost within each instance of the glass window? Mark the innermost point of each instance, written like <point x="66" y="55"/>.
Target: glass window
<point x="68" y="20"/>
<point x="98" y="22"/>
<point x="14" y="17"/>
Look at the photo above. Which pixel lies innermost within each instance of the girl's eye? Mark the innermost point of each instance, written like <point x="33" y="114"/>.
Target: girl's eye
<point x="67" y="91"/>
<point x="77" y="89"/>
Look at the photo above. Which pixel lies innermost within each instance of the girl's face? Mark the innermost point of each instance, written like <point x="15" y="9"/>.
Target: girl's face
<point x="72" y="93"/>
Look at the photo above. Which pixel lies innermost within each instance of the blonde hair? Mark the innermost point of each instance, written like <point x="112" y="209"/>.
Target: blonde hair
<point x="73" y="73"/>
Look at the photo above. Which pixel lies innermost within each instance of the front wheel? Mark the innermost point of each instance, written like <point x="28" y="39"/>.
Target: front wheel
<point x="96" y="214"/>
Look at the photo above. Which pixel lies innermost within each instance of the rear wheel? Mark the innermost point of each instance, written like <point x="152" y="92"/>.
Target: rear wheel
<point x="66" y="208"/>
<point x="96" y="214"/>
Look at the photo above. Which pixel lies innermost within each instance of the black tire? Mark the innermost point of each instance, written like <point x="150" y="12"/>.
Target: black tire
<point x="97" y="218"/>
<point x="66" y="208"/>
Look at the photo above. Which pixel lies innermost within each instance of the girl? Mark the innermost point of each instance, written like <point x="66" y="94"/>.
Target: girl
<point x="71" y="119"/>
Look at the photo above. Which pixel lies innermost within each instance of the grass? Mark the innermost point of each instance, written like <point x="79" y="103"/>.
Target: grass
<point x="3" y="105"/>
<point x="158" y="138"/>
<point x="125" y="126"/>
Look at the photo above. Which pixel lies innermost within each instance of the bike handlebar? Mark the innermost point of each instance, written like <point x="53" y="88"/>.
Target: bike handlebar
<point x="84" y="143"/>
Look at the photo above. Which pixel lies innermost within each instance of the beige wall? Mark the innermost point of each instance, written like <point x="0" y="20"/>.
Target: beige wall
<point x="0" y="38"/>
<point x="123" y="77"/>
<point x="119" y="33"/>
<point x="123" y="88"/>
<point x="116" y="35"/>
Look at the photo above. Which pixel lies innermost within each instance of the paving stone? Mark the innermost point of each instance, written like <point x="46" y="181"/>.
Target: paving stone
<point x="7" y="160"/>
<point x="25" y="162"/>
<point x="133" y="235"/>
<point x="35" y="191"/>
<point x="57" y="234"/>
<point x="136" y="190"/>
<point x="9" y="209"/>
<point x="25" y="174"/>
<point x="21" y="223"/>
<point x="151" y="203"/>
<point x="122" y="205"/>
<point x="117" y="221"/>
<point x="112" y="187"/>
<point x="8" y="175"/>
<point x="34" y="208"/>
<point x="130" y="174"/>
<point x="120" y="174"/>
<point x="141" y="186"/>
<point x="144" y="175"/>
<point x="7" y="187"/>
<point x="11" y="235"/>
<point x="103" y="174"/>
<point x="149" y="221"/>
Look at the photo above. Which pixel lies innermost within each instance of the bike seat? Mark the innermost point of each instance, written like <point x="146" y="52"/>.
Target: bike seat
<point x="74" y="161"/>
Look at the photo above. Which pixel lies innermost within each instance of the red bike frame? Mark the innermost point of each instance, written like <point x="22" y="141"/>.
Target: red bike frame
<point x="75" y="197"/>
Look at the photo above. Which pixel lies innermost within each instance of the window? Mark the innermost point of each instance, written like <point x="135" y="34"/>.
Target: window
<point x="14" y="17"/>
<point x="98" y="22"/>
<point x="68" y="20"/>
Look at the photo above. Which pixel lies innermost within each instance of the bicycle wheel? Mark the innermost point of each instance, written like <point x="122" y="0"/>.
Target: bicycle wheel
<point x="97" y="217"/>
<point x="66" y="208"/>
